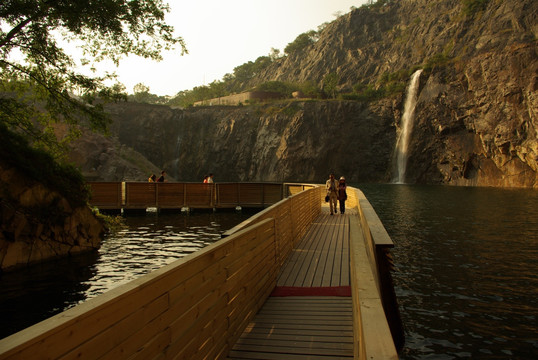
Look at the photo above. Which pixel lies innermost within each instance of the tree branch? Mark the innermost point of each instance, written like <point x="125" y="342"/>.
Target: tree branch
<point x="10" y="35"/>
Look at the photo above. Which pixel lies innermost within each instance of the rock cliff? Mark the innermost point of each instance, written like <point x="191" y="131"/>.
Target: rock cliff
<point x="38" y="224"/>
<point x="475" y="120"/>
<point x="297" y="141"/>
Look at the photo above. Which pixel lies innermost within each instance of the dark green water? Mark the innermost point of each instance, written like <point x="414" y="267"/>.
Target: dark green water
<point x="148" y="242"/>
<point x="467" y="261"/>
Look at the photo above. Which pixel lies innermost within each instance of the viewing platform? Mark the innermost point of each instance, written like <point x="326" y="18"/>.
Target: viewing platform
<point x="291" y="282"/>
<point x="176" y="195"/>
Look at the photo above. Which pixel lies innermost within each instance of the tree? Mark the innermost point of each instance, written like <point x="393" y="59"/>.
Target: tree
<point x="274" y="54"/>
<point x="39" y="79"/>
<point x="301" y="42"/>
<point x="141" y="93"/>
<point x="330" y="83"/>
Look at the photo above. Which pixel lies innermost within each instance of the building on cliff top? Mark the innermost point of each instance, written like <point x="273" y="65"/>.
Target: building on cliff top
<point x="242" y="98"/>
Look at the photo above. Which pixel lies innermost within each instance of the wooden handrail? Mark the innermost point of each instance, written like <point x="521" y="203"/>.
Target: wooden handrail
<point x="372" y="336"/>
<point x="200" y="304"/>
<point x="376" y="287"/>
<point x="142" y="195"/>
<point x="293" y="216"/>
<point x="196" y="306"/>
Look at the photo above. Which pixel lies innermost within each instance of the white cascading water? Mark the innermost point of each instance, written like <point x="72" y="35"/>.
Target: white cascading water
<point x="406" y="127"/>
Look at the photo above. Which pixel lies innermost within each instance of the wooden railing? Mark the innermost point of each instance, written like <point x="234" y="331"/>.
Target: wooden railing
<point x="141" y="195"/>
<point x="193" y="308"/>
<point x="197" y="307"/>
<point x="375" y="310"/>
<point x="292" y="218"/>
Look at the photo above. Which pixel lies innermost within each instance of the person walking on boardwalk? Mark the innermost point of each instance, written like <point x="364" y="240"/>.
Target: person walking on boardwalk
<point x="332" y="192"/>
<point x="152" y="178"/>
<point x="342" y="194"/>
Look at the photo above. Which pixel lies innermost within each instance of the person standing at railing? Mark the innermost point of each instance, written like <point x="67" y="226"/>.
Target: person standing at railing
<point x="161" y="178"/>
<point x="152" y="178"/>
<point x="332" y="192"/>
<point x="342" y="194"/>
<point x="210" y="179"/>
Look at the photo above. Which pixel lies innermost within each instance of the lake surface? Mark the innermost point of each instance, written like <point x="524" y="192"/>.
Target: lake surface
<point x="466" y="268"/>
<point x="147" y="242"/>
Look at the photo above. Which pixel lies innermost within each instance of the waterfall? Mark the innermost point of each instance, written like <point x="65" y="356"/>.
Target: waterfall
<point x="406" y="127"/>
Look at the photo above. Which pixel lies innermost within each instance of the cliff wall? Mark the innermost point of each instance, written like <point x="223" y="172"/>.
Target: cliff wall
<point x="39" y="224"/>
<point x="297" y="141"/>
<point x="475" y="121"/>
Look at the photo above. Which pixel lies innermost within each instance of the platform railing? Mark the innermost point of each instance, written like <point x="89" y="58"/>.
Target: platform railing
<point x="292" y="215"/>
<point x="379" y="333"/>
<point x="142" y="195"/>
<point x="193" y="308"/>
<point x="198" y="306"/>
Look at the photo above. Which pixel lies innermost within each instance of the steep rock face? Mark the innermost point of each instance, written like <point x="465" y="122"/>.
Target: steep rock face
<point x="286" y="142"/>
<point x="475" y="121"/>
<point x="367" y="43"/>
<point x="103" y="158"/>
<point x="38" y="224"/>
<point x="480" y="128"/>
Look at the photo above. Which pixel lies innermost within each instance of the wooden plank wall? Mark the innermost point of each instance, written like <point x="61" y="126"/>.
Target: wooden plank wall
<point x="141" y="195"/>
<point x="194" y="308"/>
<point x="106" y="195"/>
<point x="293" y="217"/>
<point x="372" y="336"/>
<point x="248" y="194"/>
<point x="170" y="195"/>
<point x="378" y="245"/>
<point x="199" y="195"/>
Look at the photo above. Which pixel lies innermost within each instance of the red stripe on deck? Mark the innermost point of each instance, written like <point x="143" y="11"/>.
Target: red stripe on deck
<point x="312" y="291"/>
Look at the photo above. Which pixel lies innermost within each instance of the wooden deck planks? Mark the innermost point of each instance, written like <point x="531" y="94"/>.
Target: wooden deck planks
<point x="299" y="328"/>
<point x="321" y="259"/>
<point x="307" y="327"/>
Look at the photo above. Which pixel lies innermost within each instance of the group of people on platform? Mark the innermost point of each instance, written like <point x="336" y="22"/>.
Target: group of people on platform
<point x="153" y="177"/>
<point x="336" y="190"/>
<point x="208" y="179"/>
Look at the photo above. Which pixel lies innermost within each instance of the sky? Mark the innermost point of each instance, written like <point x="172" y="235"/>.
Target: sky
<point x="223" y="34"/>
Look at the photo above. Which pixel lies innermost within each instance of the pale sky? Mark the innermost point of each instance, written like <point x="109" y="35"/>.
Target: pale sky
<point x="223" y="34"/>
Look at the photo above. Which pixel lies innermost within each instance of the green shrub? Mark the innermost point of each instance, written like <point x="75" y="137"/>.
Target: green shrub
<point x="436" y="61"/>
<point x="364" y="93"/>
<point x="472" y="7"/>
<point x="283" y="88"/>
<point x="301" y="42"/>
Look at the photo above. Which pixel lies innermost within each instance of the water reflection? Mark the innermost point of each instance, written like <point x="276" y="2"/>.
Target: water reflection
<point x="466" y="269"/>
<point x="148" y="242"/>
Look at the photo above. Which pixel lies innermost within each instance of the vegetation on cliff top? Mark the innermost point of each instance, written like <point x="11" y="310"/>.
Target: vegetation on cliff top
<point x="246" y="77"/>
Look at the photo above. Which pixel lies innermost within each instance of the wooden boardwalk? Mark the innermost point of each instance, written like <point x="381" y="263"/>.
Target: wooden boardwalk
<point x="199" y="306"/>
<point x="303" y="319"/>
